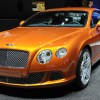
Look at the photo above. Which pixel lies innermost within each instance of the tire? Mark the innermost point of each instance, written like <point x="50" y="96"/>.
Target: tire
<point x="83" y="70"/>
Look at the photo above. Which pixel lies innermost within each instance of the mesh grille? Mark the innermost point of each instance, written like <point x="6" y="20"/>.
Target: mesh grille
<point x="31" y="79"/>
<point x="13" y="58"/>
<point x="56" y="76"/>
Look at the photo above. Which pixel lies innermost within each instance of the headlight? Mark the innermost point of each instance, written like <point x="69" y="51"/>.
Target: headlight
<point x="61" y="52"/>
<point x="44" y="56"/>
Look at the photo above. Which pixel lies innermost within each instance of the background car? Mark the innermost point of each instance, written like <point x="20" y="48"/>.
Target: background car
<point x="52" y="48"/>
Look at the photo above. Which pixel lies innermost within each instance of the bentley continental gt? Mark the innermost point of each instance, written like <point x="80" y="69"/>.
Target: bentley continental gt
<point x="52" y="48"/>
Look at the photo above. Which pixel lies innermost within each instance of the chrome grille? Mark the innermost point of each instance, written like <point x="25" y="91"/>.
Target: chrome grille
<point x="30" y="79"/>
<point x="13" y="58"/>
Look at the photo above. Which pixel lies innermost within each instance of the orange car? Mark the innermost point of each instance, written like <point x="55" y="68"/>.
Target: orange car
<point x="52" y="48"/>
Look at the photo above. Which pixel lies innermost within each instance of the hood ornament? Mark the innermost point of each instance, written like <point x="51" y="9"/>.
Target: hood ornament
<point x="10" y="45"/>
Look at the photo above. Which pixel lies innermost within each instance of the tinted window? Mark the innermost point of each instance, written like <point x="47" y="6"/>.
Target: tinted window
<point x="58" y="18"/>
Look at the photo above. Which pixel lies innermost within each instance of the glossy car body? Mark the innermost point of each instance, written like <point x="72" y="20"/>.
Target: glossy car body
<point x="25" y="43"/>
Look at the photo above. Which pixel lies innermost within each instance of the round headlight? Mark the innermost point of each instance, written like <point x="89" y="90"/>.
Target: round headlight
<point x="61" y="52"/>
<point x="44" y="56"/>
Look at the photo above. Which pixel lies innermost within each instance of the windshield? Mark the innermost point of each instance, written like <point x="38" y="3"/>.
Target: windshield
<point x="58" y="18"/>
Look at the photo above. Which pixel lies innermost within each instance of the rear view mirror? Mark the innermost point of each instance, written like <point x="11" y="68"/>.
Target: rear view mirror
<point x="22" y="22"/>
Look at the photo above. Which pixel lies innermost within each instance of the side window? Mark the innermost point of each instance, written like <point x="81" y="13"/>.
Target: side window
<point x="95" y="18"/>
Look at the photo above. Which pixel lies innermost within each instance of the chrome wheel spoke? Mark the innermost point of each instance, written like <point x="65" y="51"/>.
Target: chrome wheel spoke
<point x="85" y="68"/>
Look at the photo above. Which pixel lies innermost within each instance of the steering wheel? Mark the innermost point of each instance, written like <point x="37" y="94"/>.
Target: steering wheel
<point x="74" y="22"/>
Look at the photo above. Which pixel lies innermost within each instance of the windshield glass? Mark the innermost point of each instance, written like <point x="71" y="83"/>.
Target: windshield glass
<point x="58" y="18"/>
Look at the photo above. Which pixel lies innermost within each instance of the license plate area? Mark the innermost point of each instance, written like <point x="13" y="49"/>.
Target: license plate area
<point x="10" y="73"/>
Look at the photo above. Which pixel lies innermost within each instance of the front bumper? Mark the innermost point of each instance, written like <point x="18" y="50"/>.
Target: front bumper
<point x="48" y="84"/>
<point x="38" y="80"/>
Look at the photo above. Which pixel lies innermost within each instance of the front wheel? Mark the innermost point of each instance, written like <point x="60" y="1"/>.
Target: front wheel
<point x="83" y="71"/>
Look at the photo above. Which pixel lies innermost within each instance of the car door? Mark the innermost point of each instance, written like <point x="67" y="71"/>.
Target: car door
<point x="95" y="45"/>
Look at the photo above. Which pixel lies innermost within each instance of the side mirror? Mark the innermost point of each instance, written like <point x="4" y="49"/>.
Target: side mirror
<point x="22" y="22"/>
<point x="98" y="26"/>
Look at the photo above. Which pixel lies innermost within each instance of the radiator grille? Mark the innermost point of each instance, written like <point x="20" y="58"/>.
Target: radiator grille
<point x="13" y="58"/>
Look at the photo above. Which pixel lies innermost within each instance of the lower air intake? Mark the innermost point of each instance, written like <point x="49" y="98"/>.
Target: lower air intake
<point x="56" y="76"/>
<point x="30" y="79"/>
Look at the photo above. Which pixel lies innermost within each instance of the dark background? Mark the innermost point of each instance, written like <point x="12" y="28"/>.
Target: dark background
<point x="13" y="11"/>
<point x="22" y="9"/>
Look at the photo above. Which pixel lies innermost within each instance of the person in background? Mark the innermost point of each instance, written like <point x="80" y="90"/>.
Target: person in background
<point x="79" y="3"/>
<point x="87" y="3"/>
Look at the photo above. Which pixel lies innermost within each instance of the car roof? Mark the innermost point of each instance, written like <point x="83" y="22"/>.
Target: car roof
<point x="73" y="8"/>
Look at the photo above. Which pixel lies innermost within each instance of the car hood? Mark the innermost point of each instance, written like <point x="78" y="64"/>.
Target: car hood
<point x="34" y="37"/>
